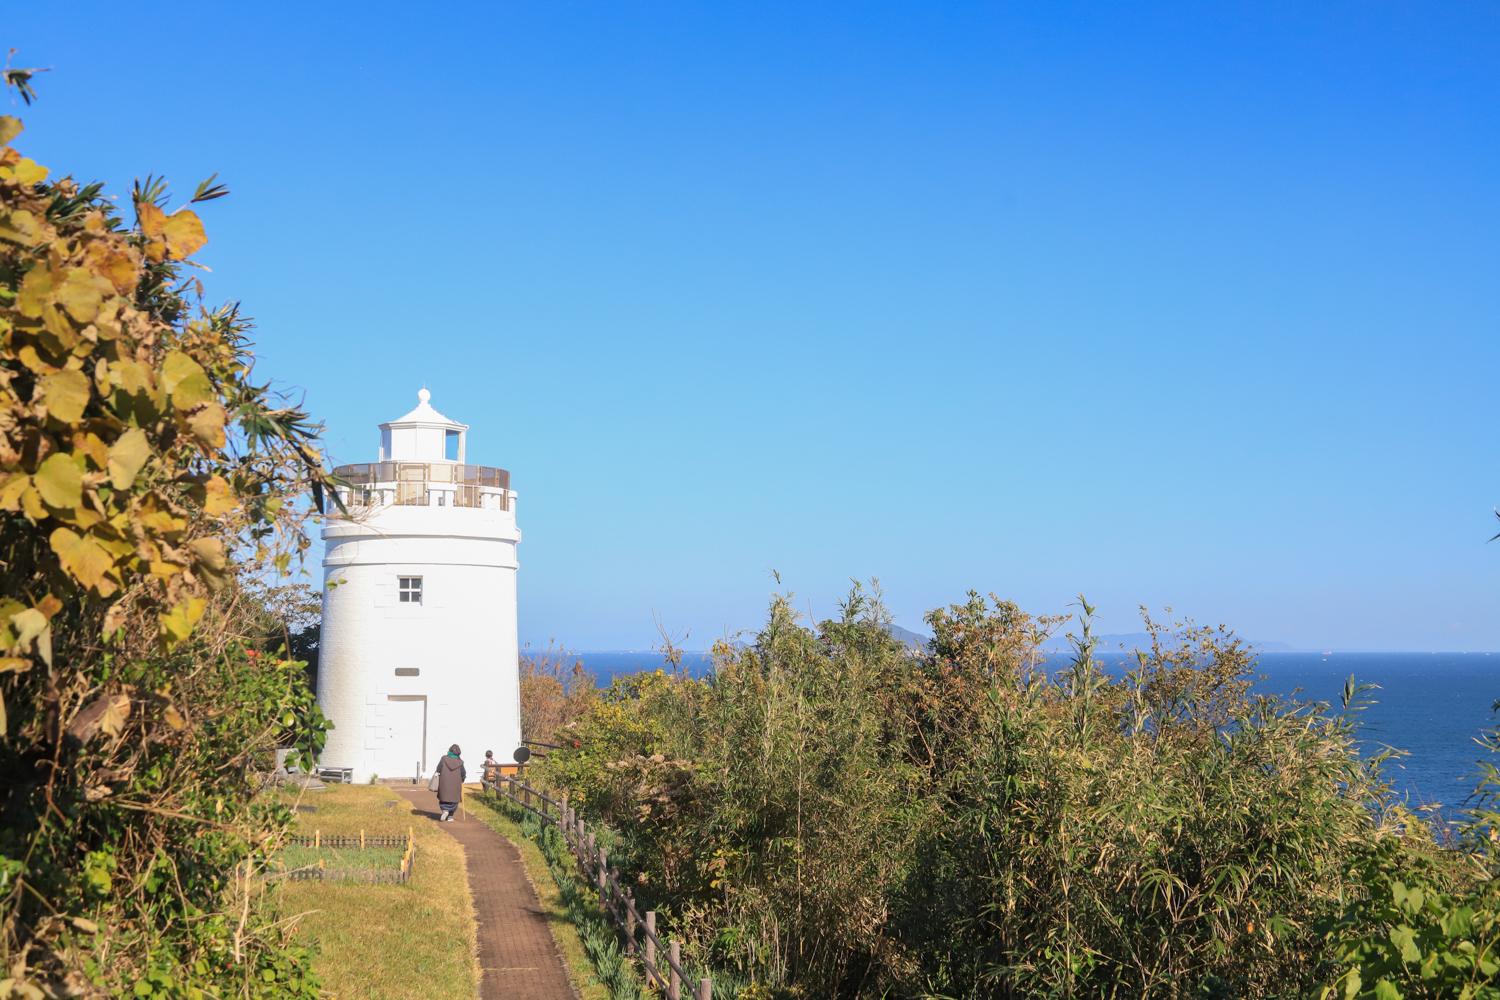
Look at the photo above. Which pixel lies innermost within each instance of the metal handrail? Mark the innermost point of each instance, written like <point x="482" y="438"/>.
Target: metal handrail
<point x="370" y="473"/>
<point x="410" y="484"/>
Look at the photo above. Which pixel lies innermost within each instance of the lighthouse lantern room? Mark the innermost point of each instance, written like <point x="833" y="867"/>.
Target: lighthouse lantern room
<point x="418" y="649"/>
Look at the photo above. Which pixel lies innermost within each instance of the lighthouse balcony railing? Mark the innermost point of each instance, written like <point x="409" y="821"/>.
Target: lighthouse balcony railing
<point x="423" y="484"/>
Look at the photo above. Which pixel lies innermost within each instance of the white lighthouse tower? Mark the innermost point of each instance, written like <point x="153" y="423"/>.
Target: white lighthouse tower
<point x="418" y="649"/>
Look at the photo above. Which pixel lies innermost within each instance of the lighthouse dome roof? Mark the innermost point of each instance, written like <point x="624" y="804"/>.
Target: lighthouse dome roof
<point x="424" y="415"/>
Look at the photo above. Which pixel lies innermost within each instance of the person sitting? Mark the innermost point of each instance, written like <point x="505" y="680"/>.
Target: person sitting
<point x="490" y="779"/>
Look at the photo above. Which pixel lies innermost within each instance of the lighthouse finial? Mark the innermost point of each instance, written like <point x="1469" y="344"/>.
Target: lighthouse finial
<point x="423" y="395"/>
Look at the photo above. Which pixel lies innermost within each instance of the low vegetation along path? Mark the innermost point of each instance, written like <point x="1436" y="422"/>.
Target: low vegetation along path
<point x="517" y="956"/>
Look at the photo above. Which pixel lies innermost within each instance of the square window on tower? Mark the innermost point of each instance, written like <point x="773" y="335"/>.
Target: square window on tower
<point x="410" y="589"/>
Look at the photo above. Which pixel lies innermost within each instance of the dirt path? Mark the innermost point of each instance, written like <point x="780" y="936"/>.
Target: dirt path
<point x="517" y="957"/>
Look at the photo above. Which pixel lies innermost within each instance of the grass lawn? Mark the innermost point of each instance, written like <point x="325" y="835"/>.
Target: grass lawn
<point x="351" y="859"/>
<point x="580" y="969"/>
<point x="390" y="942"/>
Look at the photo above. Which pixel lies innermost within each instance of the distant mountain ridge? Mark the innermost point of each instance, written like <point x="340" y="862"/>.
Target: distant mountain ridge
<point x="908" y="638"/>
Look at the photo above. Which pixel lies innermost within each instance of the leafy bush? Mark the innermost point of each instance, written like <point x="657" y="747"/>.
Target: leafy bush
<point x="555" y="690"/>
<point x="1426" y="921"/>
<point x="766" y="813"/>
<point x="830" y="814"/>
<point x="145" y="480"/>
<point x="1147" y="834"/>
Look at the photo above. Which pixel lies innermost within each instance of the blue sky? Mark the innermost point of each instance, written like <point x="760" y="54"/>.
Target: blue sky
<point x="1189" y="305"/>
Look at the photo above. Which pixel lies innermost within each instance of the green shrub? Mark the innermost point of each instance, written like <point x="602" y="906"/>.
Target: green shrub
<point x="146" y="482"/>
<point x="830" y="814"/>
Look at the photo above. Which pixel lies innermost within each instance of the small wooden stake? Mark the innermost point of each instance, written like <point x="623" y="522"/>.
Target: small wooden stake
<point x="651" y="938"/>
<point x="674" y="981"/>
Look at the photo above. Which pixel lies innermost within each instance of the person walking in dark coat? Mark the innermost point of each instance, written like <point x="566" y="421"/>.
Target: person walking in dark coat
<point x="450" y="783"/>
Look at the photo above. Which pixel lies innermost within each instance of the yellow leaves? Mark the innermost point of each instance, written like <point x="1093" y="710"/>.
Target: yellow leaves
<point x="16" y="631"/>
<point x="129" y="375"/>
<point x="116" y="714"/>
<point x="60" y="481"/>
<point x="31" y="503"/>
<point x="31" y="626"/>
<point x="56" y="295"/>
<point x="35" y="291"/>
<point x="210" y="561"/>
<point x="218" y="499"/>
<point x="85" y="560"/>
<point x="173" y="718"/>
<point x="66" y="394"/>
<point x="117" y="414"/>
<point x="208" y="553"/>
<point x="185" y="381"/>
<point x="81" y="293"/>
<point x="178" y="623"/>
<point x="32" y="360"/>
<point x="92" y="447"/>
<point x="11" y="489"/>
<point x="170" y="237"/>
<point x="193" y="394"/>
<point x="24" y="171"/>
<point x="107" y="713"/>
<point x="207" y="425"/>
<point x="160" y="522"/>
<point x="20" y="227"/>
<point x="127" y="456"/>
<point x="184" y="233"/>
<point x="27" y="625"/>
<point x="117" y="265"/>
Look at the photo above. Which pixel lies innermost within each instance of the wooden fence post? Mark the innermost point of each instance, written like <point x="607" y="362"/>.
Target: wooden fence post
<point x="629" y="923"/>
<point x="651" y="938"/>
<point x="705" y="989"/>
<point x="603" y="877"/>
<point x="674" y="981"/>
<point x="562" y="813"/>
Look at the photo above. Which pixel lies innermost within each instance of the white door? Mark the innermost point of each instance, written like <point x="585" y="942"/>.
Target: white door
<point x="403" y="754"/>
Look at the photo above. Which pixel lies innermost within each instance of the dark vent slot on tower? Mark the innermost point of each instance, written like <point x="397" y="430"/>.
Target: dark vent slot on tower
<point x="408" y="672"/>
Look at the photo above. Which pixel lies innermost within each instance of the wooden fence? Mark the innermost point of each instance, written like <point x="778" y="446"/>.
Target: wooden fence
<point x="320" y="872"/>
<point x="347" y="840"/>
<point x="662" y="965"/>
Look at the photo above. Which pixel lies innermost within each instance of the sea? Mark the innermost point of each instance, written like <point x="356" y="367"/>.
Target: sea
<point x="1431" y="706"/>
